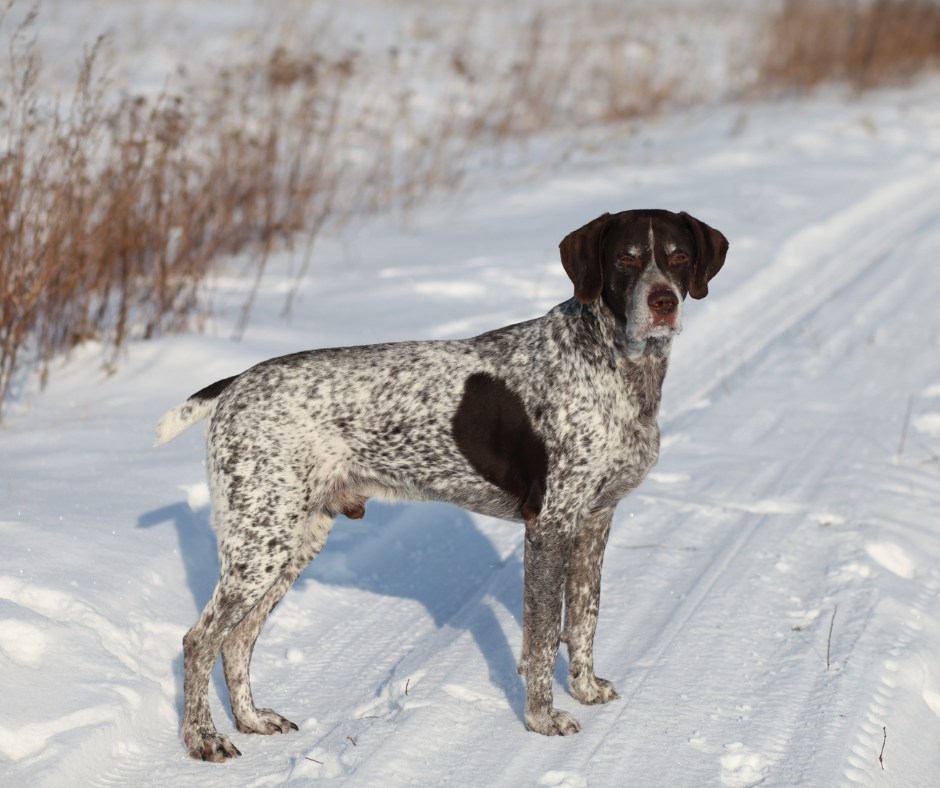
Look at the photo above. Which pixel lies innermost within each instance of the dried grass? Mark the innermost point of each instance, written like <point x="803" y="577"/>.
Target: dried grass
<point x="864" y="44"/>
<point x="111" y="216"/>
<point x="113" y="213"/>
<point x="114" y="210"/>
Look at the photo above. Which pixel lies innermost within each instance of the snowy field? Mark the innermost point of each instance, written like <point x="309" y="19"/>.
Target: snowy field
<point x="780" y="497"/>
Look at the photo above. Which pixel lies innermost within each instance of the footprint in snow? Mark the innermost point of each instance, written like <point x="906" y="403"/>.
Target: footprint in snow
<point x="928" y="423"/>
<point x="741" y="768"/>
<point x="563" y="780"/>
<point x="891" y="557"/>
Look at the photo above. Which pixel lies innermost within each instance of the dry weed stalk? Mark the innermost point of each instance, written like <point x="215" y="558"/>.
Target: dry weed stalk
<point x="904" y="426"/>
<point x="571" y="75"/>
<point x="111" y="216"/>
<point x="865" y="44"/>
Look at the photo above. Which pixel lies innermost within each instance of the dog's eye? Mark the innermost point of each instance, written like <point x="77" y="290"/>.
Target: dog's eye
<point x="627" y="260"/>
<point x="679" y="257"/>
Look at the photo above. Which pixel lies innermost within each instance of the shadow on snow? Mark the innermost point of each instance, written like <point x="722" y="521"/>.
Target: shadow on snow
<point x="432" y="553"/>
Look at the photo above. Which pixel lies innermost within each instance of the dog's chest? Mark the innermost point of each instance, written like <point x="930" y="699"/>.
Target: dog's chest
<point x="628" y="466"/>
<point x="630" y="436"/>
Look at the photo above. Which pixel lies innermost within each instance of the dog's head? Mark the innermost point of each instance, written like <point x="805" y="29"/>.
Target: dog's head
<point x="642" y="264"/>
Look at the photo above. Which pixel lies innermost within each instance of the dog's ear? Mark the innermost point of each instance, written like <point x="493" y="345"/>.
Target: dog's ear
<point x="710" y="250"/>
<point x="581" y="257"/>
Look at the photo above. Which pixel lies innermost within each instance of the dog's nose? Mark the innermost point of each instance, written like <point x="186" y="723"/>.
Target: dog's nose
<point x="663" y="302"/>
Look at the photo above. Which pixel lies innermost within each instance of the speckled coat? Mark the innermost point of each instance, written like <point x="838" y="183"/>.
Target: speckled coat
<point x="549" y="422"/>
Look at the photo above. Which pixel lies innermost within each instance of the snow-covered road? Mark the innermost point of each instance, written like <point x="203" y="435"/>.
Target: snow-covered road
<point x="778" y="497"/>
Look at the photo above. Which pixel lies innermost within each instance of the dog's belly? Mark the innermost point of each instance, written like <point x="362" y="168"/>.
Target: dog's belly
<point x="447" y="483"/>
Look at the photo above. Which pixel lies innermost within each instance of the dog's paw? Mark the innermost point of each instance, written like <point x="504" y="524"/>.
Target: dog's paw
<point x="265" y="722"/>
<point x="553" y="722"/>
<point x="590" y="690"/>
<point x="210" y="746"/>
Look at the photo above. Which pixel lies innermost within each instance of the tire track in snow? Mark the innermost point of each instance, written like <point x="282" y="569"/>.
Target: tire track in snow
<point x="871" y="656"/>
<point x="443" y="670"/>
<point x="810" y="268"/>
<point x="616" y="728"/>
<point x="854" y="243"/>
<point x="867" y="642"/>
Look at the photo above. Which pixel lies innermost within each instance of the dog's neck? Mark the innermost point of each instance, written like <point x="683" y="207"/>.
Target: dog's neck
<point x="594" y="331"/>
<point x="611" y="335"/>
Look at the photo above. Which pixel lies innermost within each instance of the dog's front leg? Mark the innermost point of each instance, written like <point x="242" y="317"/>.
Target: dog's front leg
<point x="547" y="553"/>
<point x="582" y="601"/>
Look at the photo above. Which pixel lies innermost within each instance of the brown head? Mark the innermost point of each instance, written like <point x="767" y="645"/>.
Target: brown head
<point x="642" y="264"/>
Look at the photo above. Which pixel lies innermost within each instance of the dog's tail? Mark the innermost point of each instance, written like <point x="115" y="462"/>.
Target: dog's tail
<point x="183" y="416"/>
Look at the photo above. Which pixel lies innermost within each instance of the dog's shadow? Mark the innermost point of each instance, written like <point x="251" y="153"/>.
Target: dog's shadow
<point x="199" y="553"/>
<point x="433" y="553"/>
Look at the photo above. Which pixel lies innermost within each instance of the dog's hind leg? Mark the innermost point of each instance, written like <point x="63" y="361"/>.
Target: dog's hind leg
<point x="238" y="646"/>
<point x="248" y="571"/>
<point x="582" y="601"/>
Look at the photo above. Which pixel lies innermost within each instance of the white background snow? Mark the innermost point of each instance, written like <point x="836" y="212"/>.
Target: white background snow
<point x="778" y="495"/>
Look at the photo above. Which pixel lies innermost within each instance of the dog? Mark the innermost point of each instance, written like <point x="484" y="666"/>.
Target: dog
<point x="549" y="422"/>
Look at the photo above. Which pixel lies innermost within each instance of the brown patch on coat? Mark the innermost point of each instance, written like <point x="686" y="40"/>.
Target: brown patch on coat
<point x="213" y="391"/>
<point x="493" y="431"/>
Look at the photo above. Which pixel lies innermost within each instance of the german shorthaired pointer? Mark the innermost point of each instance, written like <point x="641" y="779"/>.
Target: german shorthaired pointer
<point x="548" y="422"/>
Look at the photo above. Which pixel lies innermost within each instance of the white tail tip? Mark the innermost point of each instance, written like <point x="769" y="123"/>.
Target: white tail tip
<point x="175" y="422"/>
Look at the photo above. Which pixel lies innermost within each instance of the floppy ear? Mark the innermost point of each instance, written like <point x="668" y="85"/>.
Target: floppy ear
<point x="581" y="257"/>
<point x="710" y="250"/>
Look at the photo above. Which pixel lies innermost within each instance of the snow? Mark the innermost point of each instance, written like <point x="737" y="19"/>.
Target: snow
<point x="777" y="510"/>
